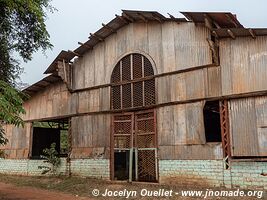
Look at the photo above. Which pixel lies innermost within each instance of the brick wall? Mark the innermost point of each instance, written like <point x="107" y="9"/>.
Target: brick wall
<point x="97" y="168"/>
<point x="184" y="172"/>
<point x="212" y="173"/>
<point x="27" y="167"/>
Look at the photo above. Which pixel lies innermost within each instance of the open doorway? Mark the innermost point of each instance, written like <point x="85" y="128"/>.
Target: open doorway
<point x="134" y="147"/>
<point x="212" y="122"/>
<point x="46" y="133"/>
<point x="122" y="163"/>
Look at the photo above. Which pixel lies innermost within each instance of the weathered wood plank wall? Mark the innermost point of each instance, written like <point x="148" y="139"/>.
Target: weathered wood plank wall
<point x="248" y="119"/>
<point x="53" y="101"/>
<point x="19" y="141"/>
<point x="172" y="46"/>
<point x="243" y="65"/>
<point x="91" y="136"/>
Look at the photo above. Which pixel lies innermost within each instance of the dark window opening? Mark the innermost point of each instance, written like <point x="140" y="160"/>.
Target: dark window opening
<point x="212" y="121"/>
<point x="46" y="133"/>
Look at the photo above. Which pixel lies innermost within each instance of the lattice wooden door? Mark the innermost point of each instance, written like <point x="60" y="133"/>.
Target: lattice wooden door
<point x="136" y="134"/>
<point x="146" y="146"/>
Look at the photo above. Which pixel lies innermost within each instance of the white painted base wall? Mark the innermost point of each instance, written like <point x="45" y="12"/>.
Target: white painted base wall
<point x="209" y="173"/>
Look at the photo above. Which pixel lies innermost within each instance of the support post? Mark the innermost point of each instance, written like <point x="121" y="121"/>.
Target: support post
<point x="131" y="165"/>
<point x="224" y="118"/>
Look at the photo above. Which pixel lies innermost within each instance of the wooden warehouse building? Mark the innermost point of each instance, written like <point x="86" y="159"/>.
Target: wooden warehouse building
<point x="155" y="99"/>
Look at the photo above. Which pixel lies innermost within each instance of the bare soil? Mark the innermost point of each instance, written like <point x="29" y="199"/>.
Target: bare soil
<point x="12" y="192"/>
<point x="76" y="188"/>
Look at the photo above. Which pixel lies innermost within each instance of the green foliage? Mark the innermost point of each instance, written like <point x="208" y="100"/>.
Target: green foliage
<point x="51" y="157"/>
<point x="64" y="143"/>
<point x="22" y="30"/>
<point x="11" y="108"/>
<point x="2" y="153"/>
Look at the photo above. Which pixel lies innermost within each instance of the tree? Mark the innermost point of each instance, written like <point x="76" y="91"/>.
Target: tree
<point x="22" y="30"/>
<point x="52" y="158"/>
<point x="10" y="108"/>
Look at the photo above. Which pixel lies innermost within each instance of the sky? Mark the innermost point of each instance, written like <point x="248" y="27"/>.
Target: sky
<point x="76" y="19"/>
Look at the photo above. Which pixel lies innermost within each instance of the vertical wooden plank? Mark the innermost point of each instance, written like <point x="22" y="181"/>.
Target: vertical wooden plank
<point x="83" y="101"/>
<point x="125" y="40"/>
<point x="155" y="45"/>
<point x="164" y="89"/>
<point x="168" y="53"/>
<point x="104" y="99"/>
<point x="99" y="50"/>
<point x="94" y="101"/>
<point x="195" y="123"/>
<point x="140" y="36"/>
<point x="111" y="56"/>
<point x="261" y="115"/>
<point x="243" y="129"/>
<point x="165" y="125"/>
<point x="226" y="68"/>
<point x="214" y="82"/>
<point x="89" y="69"/>
<point x="179" y="123"/>
<point x="195" y="84"/>
<point x="178" y="87"/>
<point x="191" y="46"/>
<point x="79" y="72"/>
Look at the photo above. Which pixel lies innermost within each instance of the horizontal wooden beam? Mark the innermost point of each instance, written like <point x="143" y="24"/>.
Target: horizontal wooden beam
<point x="122" y="19"/>
<point x="127" y="17"/>
<point x="156" y="18"/>
<point x="252" y="33"/>
<point x="96" y="36"/>
<point x="76" y="54"/>
<point x="143" y="18"/>
<point x="208" y="22"/>
<point x="87" y="46"/>
<point x="231" y="33"/>
<point x="109" y="28"/>
<point x="150" y="77"/>
<point x="231" y="20"/>
<point x="219" y="98"/>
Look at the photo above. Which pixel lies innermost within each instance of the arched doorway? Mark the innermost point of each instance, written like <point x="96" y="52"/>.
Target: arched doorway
<point x="133" y="138"/>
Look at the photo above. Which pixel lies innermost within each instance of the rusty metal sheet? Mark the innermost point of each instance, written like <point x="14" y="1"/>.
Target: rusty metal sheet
<point x="36" y="87"/>
<point x="243" y="128"/>
<point x="223" y="19"/>
<point x="261" y="113"/>
<point x="66" y="55"/>
<point x="240" y="32"/>
<point x="210" y="151"/>
<point x="243" y="65"/>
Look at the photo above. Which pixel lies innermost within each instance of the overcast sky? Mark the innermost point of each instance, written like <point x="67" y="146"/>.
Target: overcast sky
<point x="76" y="19"/>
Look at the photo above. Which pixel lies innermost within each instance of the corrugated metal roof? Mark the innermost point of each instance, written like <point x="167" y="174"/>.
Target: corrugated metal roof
<point x="223" y="19"/>
<point x="225" y="22"/>
<point x="240" y="32"/>
<point x="63" y="55"/>
<point x="36" y="87"/>
<point x="128" y="16"/>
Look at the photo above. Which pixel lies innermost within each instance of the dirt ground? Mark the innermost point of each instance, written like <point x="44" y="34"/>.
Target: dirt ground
<point x="12" y="192"/>
<point x="76" y="188"/>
